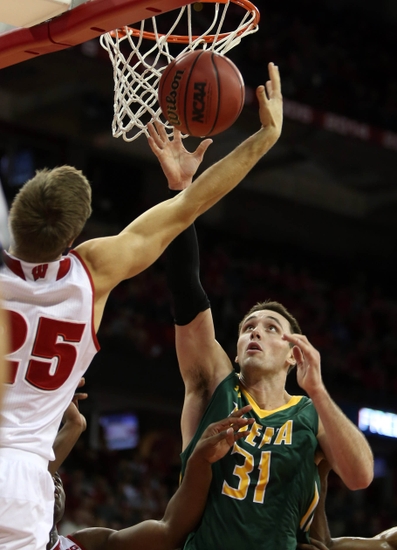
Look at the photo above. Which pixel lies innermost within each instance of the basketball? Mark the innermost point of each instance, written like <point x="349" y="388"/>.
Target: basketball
<point x="201" y="93"/>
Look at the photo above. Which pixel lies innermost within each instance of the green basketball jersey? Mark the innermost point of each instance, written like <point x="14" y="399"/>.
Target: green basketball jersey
<point x="264" y="491"/>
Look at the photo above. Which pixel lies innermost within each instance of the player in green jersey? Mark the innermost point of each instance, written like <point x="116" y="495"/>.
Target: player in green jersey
<point x="183" y="510"/>
<point x="264" y="491"/>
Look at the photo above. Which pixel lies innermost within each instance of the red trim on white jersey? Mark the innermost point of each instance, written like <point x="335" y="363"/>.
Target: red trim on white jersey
<point x="14" y="265"/>
<point x="94" y="337"/>
<point x="67" y="543"/>
<point x="29" y="271"/>
<point x="51" y="317"/>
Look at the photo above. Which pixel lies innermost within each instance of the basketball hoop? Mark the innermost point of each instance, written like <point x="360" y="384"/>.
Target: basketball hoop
<point x="139" y="56"/>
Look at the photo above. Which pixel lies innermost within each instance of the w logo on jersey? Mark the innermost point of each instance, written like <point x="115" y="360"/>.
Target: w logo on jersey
<point x="39" y="271"/>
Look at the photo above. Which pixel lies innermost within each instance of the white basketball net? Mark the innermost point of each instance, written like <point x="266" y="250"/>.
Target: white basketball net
<point x="138" y="61"/>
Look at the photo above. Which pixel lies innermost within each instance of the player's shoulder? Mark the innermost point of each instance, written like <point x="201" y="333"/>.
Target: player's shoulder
<point x="303" y="405"/>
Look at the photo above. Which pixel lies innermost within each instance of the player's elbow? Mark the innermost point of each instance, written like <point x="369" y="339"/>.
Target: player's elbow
<point x="360" y="480"/>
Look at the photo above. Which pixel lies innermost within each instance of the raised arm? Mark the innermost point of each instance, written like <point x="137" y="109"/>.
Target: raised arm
<point x="344" y="446"/>
<point x="113" y="259"/>
<point x="186" y="506"/>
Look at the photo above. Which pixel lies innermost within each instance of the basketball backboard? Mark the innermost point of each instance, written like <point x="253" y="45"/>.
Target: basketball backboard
<point x="87" y="19"/>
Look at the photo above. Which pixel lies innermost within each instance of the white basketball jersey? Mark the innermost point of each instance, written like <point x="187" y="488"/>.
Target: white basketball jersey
<point x="53" y="342"/>
<point x="65" y="543"/>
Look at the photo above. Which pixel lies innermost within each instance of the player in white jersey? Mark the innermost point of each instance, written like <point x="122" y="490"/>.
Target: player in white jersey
<point x="184" y="509"/>
<point x="52" y="343"/>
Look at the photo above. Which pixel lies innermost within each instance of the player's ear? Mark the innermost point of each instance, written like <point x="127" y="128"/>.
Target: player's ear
<point x="291" y="358"/>
<point x="236" y="359"/>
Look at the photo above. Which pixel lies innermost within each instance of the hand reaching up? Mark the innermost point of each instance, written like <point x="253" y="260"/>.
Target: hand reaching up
<point x="179" y="166"/>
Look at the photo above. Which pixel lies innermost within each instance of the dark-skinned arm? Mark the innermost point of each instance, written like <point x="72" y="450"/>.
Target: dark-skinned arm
<point x="73" y="425"/>
<point x="186" y="506"/>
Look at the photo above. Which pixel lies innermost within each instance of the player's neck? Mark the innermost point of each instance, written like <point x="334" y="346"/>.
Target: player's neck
<point x="14" y="252"/>
<point x="268" y="393"/>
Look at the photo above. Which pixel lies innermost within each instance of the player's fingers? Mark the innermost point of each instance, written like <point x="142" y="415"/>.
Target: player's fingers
<point x="224" y="434"/>
<point x="298" y="340"/>
<point x="162" y="131"/>
<point x="261" y="94"/>
<point x="81" y="383"/>
<point x="177" y="134"/>
<point x="240" y="412"/>
<point x="269" y="89"/>
<point x="240" y="434"/>
<point x="308" y="351"/>
<point x="232" y="422"/>
<point x="154" y="146"/>
<point x="298" y="355"/>
<point x="202" y="148"/>
<point x="152" y="130"/>
<point x="230" y="435"/>
<point x="274" y="74"/>
<point x="157" y="136"/>
<point x="79" y="396"/>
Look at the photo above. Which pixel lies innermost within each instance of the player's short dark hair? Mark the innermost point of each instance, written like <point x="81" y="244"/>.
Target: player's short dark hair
<point x="278" y="308"/>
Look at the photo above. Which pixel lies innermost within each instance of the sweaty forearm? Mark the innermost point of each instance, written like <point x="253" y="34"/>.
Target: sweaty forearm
<point x="227" y="173"/>
<point x="345" y="447"/>
<point x="187" y="505"/>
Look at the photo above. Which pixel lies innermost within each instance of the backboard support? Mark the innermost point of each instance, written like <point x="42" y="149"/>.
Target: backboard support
<point x="81" y="24"/>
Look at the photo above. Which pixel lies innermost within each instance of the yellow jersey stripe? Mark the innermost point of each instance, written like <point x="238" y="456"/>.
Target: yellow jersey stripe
<point x="263" y="413"/>
<point x="312" y="507"/>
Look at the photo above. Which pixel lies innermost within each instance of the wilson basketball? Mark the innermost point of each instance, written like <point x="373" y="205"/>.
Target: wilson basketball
<point x="201" y="93"/>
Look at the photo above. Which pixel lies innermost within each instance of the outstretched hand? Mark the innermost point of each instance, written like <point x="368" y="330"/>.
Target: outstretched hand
<point x="220" y="436"/>
<point x="308" y="361"/>
<point x="271" y="101"/>
<point x="179" y="166"/>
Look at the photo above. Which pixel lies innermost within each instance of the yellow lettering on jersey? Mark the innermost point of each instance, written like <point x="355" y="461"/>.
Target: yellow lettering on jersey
<point x="267" y="437"/>
<point x="242" y="473"/>
<point x="255" y="431"/>
<point x="285" y="434"/>
<point x="264" y="469"/>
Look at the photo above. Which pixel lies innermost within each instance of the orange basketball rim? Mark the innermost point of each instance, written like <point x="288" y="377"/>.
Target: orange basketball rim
<point x="185" y="39"/>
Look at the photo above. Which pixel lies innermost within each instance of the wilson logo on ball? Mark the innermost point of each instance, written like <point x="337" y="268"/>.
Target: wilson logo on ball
<point x="171" y="99"/>
<point x="201" y="93"/>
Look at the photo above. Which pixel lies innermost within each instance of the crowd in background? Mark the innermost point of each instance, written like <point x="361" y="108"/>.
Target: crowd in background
<point x="349" y="318"/>
<point x="329" y="56"/>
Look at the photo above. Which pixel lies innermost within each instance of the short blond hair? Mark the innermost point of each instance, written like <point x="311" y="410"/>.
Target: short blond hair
<point x="49" y="212"/>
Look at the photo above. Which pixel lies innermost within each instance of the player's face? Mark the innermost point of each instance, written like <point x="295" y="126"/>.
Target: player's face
<point x="59" y="494"/>
<point x="260" y="342"/>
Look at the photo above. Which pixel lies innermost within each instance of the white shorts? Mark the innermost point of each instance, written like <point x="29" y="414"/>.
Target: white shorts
<point x="26" y="500"/>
